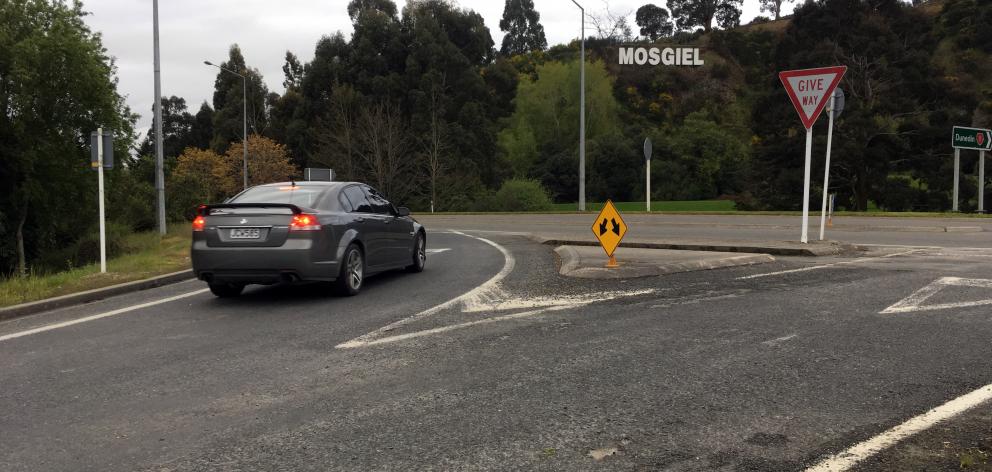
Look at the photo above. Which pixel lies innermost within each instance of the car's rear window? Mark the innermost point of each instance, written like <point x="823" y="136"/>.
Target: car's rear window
<point x="297" y="195"/>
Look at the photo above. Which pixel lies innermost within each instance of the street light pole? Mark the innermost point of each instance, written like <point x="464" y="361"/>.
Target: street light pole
<point x="582" y="112"/>
<point x="159" y="172"/>
<point x="244" y="112"/>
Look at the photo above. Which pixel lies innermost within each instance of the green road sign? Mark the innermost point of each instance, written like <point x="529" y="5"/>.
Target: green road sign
<point x="971" y="138"/>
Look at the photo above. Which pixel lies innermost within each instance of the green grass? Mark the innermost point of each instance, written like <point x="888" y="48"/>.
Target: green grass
<point x="694" y="205"/>
<point x="148" y="255"/>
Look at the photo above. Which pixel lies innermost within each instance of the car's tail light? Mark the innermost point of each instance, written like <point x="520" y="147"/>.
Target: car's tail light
<point x="304" y="222"/>
<point x="198" y="223"/>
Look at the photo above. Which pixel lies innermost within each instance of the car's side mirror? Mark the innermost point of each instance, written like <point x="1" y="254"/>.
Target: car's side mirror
<point x="402" y="211"/>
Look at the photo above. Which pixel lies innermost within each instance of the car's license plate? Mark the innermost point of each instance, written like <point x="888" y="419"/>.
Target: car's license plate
<point x="245" y="233"/>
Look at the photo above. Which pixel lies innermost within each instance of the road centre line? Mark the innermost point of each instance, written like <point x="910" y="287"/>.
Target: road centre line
<point x="848" y="458"/>
<point x="826" y="266"/>
<point x="118" y="311"/>
<point x="485" y="290"/>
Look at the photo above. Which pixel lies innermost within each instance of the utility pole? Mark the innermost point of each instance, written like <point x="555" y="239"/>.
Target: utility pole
<point x="159" y="162"/>
<point x="582" y="112"/>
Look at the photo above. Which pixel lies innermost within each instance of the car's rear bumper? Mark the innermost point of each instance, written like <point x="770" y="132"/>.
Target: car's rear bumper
<point x="292" y="262"/>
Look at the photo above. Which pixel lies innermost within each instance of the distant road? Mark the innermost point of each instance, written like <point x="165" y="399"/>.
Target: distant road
<point x="943" y="232"/>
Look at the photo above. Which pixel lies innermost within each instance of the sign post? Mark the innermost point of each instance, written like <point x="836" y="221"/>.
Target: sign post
<point x="836" y="107"/>
<point x="103" y="144"/>
<point x="979" y="139"/>
<point x="647" y="173"/>
<point x="809" y="90"/>
<point x="609" y="229"/>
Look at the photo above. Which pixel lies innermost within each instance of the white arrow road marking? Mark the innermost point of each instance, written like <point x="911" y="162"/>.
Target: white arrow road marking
<point x="542" y="305"/>
<point x="118" y="311"/>
<point x="438" y="250"/>
<point x="846" y="459"/>
<point x="915" y="301"/>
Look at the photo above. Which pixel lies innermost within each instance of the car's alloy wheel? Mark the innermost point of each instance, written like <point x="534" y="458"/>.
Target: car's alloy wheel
<point x="352" y="271"/>
<point x="419" y="254"/>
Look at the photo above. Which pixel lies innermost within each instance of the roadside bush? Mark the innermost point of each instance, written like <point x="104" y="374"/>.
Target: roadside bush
<point x="86" y="250"/>
<point x="520" y="195"/>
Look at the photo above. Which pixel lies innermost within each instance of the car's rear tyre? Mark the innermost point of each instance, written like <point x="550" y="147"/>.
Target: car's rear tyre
<point x="419" y="254"/>
<point x="352" y="274"/>
<point x="226" y="290"/>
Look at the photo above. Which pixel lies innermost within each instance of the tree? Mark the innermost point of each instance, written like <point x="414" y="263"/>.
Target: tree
<point x="200" y="176"/>
<point x="357" y="8"/>
<point x="57" y="84"/>
<point x="202" y="130"/>
<point x="654" y="22"/>
<point x="611" y="26"/>
<point x="773" y="6"/>
<point x="543" y="130"/>
<point x="177" y="129"/>
<point x="293" y="71"/>
<point x="228" y="119"/>
<point x="382" y="141"/>
<point x="268" y="161"/>
<point x="522" y="25"/>
<point x="691" y="13"/>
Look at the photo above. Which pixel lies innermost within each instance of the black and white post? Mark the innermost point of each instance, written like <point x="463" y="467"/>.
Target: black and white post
<point x="647" y="173"/>
<point x="99" y="179"/>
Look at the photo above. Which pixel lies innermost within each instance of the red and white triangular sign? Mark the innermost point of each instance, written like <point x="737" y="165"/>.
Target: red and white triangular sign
<point x="810" y="89"/>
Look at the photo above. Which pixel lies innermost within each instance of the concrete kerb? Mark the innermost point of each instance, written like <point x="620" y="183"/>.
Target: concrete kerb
<point x="808" y="250"/>
<point x="47" y="304"/>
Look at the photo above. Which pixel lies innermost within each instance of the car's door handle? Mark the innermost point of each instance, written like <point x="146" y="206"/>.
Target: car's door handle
<point x="359" y="220"/>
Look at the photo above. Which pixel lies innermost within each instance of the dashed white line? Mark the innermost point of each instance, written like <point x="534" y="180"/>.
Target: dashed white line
<point x="826" y="266"/>
<point x="118" y="311"/>
<point x="848" y="458"/>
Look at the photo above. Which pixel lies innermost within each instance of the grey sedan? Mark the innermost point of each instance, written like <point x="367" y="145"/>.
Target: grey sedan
<point x="338" y="232"/>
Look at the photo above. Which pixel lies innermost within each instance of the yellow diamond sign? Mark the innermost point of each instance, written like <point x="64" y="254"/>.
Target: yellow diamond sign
<point x="609" y="228"/>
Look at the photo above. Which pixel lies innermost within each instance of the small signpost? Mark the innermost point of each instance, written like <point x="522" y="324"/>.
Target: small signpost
<point x="809" y="90"/>
<point x="979" y="139"/>
<point x="609" y="229"/>
<point x="647" y="163"/>
<point x="836" y="107"/>
<point x="102" y="157"/>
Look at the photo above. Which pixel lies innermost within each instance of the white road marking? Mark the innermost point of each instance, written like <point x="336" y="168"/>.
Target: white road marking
<point x="543" y="305"/>
<point x="118" y="311"/>
<point x="826" y="266"/>
<point x="915" y="301"/>
<point x="777" y="341"/>
<point x="442" y="329"/>
<point x="488" y="288"/>
<point x="848" y="458"/>
<point x="438" y="250"/>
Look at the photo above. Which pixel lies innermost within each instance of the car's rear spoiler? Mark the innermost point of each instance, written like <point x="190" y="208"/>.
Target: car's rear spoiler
<point x="204" y="210"/>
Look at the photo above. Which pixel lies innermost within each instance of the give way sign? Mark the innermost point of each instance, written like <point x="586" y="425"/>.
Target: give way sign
<point x="810" y="89"/>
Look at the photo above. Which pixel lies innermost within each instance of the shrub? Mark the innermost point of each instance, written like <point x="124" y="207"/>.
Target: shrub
<point x="520" y="195"/>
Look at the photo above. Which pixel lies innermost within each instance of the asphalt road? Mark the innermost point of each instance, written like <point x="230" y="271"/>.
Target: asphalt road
<point x="770" y="367"/>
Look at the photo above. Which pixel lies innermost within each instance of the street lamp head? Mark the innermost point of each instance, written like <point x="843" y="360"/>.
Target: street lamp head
<point x="208" y="63"/>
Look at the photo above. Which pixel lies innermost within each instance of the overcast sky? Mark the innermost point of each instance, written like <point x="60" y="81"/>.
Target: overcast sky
<point x="193" y="31"/>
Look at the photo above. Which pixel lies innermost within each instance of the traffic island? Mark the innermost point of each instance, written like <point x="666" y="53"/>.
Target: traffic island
<point x="589" y="262"/>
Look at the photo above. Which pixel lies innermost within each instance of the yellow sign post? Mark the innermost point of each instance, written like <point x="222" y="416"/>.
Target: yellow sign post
<point x="609" y="229"/>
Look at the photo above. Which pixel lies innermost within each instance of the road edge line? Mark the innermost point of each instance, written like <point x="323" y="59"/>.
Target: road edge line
<point x="851" y="456"/>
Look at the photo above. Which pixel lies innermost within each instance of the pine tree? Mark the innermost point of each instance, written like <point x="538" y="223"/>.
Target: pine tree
<point x="522" y="25"/>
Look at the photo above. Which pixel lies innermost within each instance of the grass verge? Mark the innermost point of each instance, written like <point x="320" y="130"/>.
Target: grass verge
<point x="148" y="255"/>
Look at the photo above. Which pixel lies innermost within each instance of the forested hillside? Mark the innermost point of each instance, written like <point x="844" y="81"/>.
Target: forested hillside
<point x="419" y="101"/>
